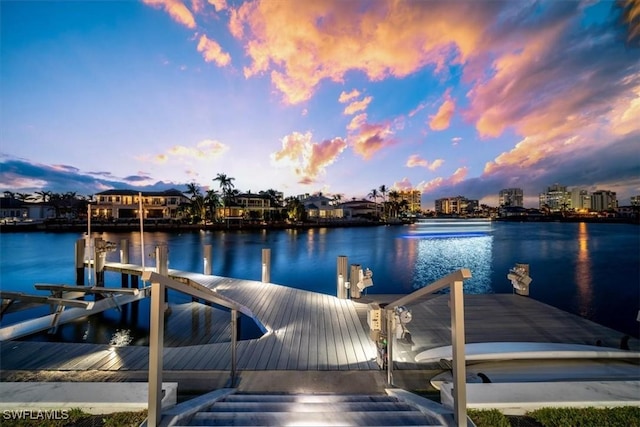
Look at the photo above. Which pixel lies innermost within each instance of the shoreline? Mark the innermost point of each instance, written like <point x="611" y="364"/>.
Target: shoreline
<point x="170" y="226"/>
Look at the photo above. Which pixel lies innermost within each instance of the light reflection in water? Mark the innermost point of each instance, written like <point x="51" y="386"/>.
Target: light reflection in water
<point x="437" y="257"/>
<point x="583" y="271"/>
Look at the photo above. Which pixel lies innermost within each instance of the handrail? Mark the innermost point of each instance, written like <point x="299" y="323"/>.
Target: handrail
<point x="158" y="285"/>
<point x="454" y="282"/>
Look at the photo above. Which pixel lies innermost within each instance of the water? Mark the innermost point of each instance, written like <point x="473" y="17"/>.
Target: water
<point x="592" y="270"/>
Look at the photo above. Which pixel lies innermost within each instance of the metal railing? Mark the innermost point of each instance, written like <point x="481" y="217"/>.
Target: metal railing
<point x="156" y="334"/>
<point x="453" y="281"/>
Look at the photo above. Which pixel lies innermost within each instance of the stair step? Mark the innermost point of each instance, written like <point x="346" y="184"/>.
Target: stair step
<point x="336" y="418"/>
<point x="309" y="398"/>
<point x="309" y="406"/>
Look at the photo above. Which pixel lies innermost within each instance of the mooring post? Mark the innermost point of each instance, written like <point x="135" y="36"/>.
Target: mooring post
<point x="99" y="258"/>
<point x="266" y="265"/>
<point x="124" y="259"/>
<point x="341" y="277"/>
<point x="162" y="265"/>
<point x="80" y="248"/>
<point x="208" y="268"/>
<point x="458" y="354"/>
<point x="156" y="345"/>
<point x="354" y="278"/>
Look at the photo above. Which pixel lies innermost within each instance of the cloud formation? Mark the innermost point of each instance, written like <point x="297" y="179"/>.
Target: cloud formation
<point x="207" y="149"/>
<point x="442" y="118"/>
<point x="307" y="159"/>
<point x="304" y="43"/>
<point x="416" y="161"/>
<point x="212" y="52"/>
<point x="176" y="9"/>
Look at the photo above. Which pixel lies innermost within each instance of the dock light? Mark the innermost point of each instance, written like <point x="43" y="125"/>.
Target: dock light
<point x="520" y="279"/>
<point x="365" y="279"/>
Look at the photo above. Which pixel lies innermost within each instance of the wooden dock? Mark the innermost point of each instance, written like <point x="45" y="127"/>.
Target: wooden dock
<point x="308" y="331"/>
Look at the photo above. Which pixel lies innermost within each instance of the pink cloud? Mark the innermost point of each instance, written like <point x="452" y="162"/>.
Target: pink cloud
<point x="176" y="9"/>
<point x="457" y="177"/>
<point x="366" y="139"/>
<point x="442" y="119"/>
<point x="416" y="161"/>
<point x="205" y="150"/>
<point x="308" y="159"/>
<point x="212" y="52"/>
<point x="307" y="42"/>
<point x="356" y="106"/>
<point x="403" y="184"/>
<point x="348" y="96"/>
<point x="219" y="5"/>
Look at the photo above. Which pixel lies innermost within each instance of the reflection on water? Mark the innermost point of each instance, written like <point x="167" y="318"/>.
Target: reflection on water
<point x="583" y="272"/>
<point x="439" y="257"/>
<point x="447" y="245"/>
<point x="576" y="267"/>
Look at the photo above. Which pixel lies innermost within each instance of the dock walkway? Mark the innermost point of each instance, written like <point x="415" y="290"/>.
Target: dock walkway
<point x="309" y="331"/>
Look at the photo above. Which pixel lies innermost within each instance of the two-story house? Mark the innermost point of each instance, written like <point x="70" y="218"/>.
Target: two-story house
<point x="124" y="204"/>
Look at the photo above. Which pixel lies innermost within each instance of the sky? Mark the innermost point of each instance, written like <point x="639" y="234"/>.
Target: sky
<point x="446" y="97"/>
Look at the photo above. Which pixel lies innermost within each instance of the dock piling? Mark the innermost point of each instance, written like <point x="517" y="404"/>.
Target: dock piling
<point x="354" y="278"/>
<point x="266" y="265"/>
<point x="341" y="277"/>
<point x="79" y="252"/>
<point x="208" y="267"/>
<point x="124" y="259"/>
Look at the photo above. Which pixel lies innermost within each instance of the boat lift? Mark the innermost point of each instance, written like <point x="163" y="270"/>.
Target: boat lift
<point x="68" y="305"/>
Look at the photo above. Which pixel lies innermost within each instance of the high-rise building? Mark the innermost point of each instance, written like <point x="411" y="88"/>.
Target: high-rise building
<point x="635" y="200"/>
<point x="556" y="198"/>
<point x="456" y="205"/>
<point x="511" y="197"/>
<point x="580" y="199"/>
<point x="603" y="200"/>
<point x="413" y="198"/>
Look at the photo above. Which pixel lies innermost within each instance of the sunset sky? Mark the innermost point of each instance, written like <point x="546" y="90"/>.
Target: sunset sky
<point x="451" y="98"/>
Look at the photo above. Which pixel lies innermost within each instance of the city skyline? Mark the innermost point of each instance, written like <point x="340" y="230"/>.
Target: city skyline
<point x="340" y="97"/>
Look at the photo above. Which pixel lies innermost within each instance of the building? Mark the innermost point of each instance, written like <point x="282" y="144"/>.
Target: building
<point x="124" y="204"/>
<point x="258" y="206"/>
<point x="635" y="200"/>
<point x="360" y="209"/>
<point x="13" y="209"/>
<point x="511" y="197"/>
<point x="580" y="199"/>
<point x="456" y="205"/>
<point x="413" y="198"/>
<point x="604" y="200"/>
<point x="556" y="199"/>
<point x="321" y="207"/>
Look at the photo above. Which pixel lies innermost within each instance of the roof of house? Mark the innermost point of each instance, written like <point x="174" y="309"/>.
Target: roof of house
<point x="127" y="192"/>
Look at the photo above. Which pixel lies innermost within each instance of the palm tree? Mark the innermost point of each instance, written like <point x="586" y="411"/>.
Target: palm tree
<point x="44" y="195"/>
<point x="197" y="204"/>
<point x="9" y="194"/>
<point x="212" y="201"/>
<point x="295" y="209"/>
<point x="374" y="195"/>
<point x="383" y="191"/>
<point x="394" y="198"/>
<point x="226" y="184"/>
<point x="336" y="199"/>
<point x="24" y="197"/>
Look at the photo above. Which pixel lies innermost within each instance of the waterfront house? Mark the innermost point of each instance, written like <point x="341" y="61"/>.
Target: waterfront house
<point x="360" y="209"/>
<point x="320" y="207"/>
<point x="255" y="206"/>
<point x="124" y="204"/>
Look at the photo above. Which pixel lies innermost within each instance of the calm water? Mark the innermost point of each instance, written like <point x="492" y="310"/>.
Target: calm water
<point x="589" y="269"/>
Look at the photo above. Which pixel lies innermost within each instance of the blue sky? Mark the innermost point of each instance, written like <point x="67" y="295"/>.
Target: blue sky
<point x="450" y="98"/>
